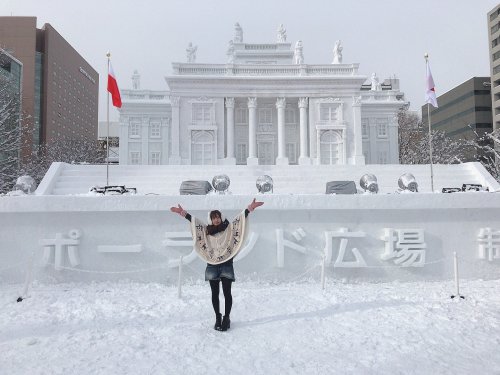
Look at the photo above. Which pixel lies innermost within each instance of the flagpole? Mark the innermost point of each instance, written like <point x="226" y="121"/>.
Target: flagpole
<point x="430" y="145"/>
<point x="108" y="55"/>
<point x="426" y="56"/>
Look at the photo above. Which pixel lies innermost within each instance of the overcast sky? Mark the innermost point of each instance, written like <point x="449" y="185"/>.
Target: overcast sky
<point x="385" y="36"/>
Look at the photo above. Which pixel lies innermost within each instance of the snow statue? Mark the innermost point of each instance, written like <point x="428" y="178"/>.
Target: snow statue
<point x="238" y="33"/>
<point x="376" y="86"/>
<point x="136" y="80"/>
<point x="337" y="53"/>
<point x="281" y="34"/>
<point x="191" y="53"/>
<point x="230" y="52"/>
<point x="298" y="57"/>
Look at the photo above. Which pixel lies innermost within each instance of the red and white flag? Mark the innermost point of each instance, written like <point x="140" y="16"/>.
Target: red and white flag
<point x="113" y="88"/>
<point x="430" y="93"/>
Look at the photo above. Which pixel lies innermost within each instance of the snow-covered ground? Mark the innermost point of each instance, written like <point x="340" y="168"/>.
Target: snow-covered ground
<point x="277" y="328"/>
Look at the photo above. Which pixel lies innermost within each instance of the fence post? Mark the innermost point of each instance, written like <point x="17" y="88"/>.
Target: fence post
<point x="323" y="272"/>
<point x="455" y="266"/>
<point x="29" y="278"/>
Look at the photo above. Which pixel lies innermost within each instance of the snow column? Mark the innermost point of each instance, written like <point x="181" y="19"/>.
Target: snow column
<point x="175" y="157"/>
<point x="304" y="154"/>
<point x="280" y="106"/>
<point x="358" y="158"/>
<point x="252" y="132"/>
<point x="230" y="159"/>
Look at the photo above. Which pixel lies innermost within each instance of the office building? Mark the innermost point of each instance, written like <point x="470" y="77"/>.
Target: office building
<point x="494" y="48"/>
<point x="59" y="87"/>
<point x="464" y="111"/>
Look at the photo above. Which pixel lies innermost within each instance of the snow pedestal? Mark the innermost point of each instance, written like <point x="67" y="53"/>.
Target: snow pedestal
<point x="377" y="237"/>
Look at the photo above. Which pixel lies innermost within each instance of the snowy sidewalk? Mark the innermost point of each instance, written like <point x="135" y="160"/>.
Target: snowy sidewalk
<point x="131" y="328"/>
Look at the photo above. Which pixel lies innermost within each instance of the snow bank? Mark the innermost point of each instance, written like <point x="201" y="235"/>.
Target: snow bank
<point x="289" y="328"/>
<point x="361" y="237"/>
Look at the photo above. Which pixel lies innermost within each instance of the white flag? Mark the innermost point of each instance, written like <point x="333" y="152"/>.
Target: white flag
<point x="430" y="93"/>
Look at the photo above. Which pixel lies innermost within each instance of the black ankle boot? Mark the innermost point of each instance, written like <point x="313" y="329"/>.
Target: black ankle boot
<point x="218" y="324"/>
<point x="226" y="323"/>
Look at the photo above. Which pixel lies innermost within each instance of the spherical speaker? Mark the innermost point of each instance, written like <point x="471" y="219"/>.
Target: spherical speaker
<point x="221" y="183"/>
<point x="264" y="184"/>
<point x="369" y="183"/>
<point x="407" y="181"/>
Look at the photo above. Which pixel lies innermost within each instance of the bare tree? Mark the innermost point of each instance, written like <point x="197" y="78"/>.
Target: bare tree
<point x="409" y="134"/>
<point x="486" y="148"/>
<point x="15" y="127"/>
<point x="69" y="151"/>
<point x="10" y="131"/>
<point x="414" y="145"/>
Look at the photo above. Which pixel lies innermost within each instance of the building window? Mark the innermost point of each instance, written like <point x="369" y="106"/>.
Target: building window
<point x="202" y="113"/>
<point x="241" y="153"/>
<point x="496" y="69"/>
<point x="496" y="55"/>
<point x="364" y="127"/>
<point x="328" y="112"/>
<point x="265" y="116"/>
<point x="135" y="158"/>
<point x="381" y="128"/>
<point x="495" y="28"/>
<point x="155" y="130"/>
<point x="154" y="158"/>
<point x="494" y="15"/>
<point x="290" y="116"/>
<point x="135" y="129"/>
<point x="495" y="42"/>
<point x="241" y="116"/>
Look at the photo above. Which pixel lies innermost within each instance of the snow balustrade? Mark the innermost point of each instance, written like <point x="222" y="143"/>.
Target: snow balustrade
<point x="361" y="237"/>
<point x="245" y="70"/>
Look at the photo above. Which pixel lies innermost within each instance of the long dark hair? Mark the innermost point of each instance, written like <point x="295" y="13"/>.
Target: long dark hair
<point x="213" y="229"/>
<point x="215" y="213"/>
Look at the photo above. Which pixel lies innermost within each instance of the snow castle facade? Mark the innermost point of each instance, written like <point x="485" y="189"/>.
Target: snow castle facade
<point x="263" y="106"/>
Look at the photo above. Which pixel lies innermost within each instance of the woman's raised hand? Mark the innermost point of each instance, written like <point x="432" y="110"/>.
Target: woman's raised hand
<point x="252" y="206"/>
<point x="179" y="210"/>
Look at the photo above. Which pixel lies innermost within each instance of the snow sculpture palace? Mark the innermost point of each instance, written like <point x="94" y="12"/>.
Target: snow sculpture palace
<point x="315" y="134"/>
<point x="264" y="106"/>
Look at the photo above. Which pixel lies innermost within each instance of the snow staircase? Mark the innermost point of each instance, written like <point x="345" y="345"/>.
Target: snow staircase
<point x="70" y="179"/>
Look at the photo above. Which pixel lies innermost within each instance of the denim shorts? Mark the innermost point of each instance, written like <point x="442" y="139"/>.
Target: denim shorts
<point x="216" y="271"/>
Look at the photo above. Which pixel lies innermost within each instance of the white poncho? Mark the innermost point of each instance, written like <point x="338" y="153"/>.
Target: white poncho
<point x="222" y="246"/>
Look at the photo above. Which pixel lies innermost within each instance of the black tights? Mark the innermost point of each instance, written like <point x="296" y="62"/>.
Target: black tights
<point x="228" y="298"/>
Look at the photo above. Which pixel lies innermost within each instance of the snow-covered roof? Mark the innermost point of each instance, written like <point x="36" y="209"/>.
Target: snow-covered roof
<point x="69" y="179"/>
